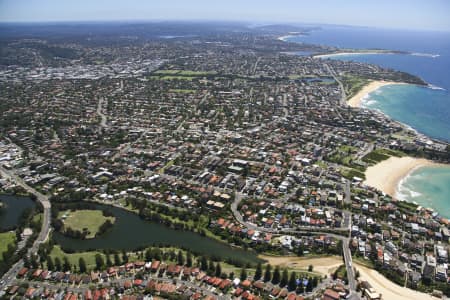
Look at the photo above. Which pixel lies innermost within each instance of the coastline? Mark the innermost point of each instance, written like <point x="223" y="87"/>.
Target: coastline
<point x="285" y="38"/>
<point x="328" y="55"/>
<point x="387" y="174"/>
<point x="388" y="289"/>
<point x="372" y="86"/>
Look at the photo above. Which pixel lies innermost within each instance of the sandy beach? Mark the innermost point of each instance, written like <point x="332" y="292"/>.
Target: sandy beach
<point x="387" y="288"/>
<point x="386" y="175"/>
<point x="355" y="101"/>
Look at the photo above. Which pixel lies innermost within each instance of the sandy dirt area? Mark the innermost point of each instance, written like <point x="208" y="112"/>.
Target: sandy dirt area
<point x="322" y="265"/>
<point x="388" y="289"/>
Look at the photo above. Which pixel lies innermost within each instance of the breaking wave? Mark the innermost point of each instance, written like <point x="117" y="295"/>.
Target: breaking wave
<point x="425" y="54"/>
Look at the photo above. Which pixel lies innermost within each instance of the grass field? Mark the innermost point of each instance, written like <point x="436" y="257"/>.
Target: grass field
<point x="379" y="155"/>
<point x="6" y="238"/>
<point x="89" y="219"/>
<point x="89" y="257"/>
<point x="185" y="72"/>
<point x="181" y="91"/>
<point x="349" y="173"/>
<point x="353" y="84"/>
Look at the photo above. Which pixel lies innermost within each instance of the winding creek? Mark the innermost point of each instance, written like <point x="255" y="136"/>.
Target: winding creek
<point x="131" y="232"/>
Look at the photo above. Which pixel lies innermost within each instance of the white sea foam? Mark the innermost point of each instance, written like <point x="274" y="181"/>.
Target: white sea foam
<point x="284" y="38"/>
<point x="377" y="92"/>
<point x="425" y="54"/>
<point x="414" y="194"/>
<point x="370" y="102"/>
<point x="434" y="87"/>
<point x="367" y="100"/>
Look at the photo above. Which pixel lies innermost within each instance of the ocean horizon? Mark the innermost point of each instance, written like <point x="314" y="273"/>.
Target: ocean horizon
<point x="426" y="109"/>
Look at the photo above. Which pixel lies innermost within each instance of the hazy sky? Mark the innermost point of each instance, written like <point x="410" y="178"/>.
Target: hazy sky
<point x="414" y="14"/>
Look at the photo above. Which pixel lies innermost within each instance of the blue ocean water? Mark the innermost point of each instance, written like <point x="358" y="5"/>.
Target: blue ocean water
<point x="429" y="187"/>
<point x="426" y="109"/>
<point x="410" y="104"/>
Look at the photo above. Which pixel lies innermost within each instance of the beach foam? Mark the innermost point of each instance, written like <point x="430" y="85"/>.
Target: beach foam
<point x="425" y="54"/>
<point x="434" y="87"/>
<point x="364" y="94"/>
<point x="390" y="175"/>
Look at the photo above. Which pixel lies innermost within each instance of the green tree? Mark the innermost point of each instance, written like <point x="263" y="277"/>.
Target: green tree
<point x="292" y="284"/>
<point x="82" y="265"/>
<point x="50" y="264"/>
<point x="315" y="281"/>
<point x="26" y="262"/>
<point x="309" y="286"/>
<point x="117" y="261"/>
<point x="148" y="255"/>
<point x="124" y="257"/>
<point x="218" y="270"/>
<point x="180" y="258"/>
<point x="258" y="272"/>
<point x="276" y="275"/>
<point x="243" y="275"/>
<point x="189" y="259"/>
<point x="267" y="273"/>
<point x="66" y="264"/>
<point x="58" y="265"/>
<point x="211" y="268"/>
<point x="34" y="262"/>
<point x="108" y="260"/>
<point x="99" y="263"/>
<point x="204" y="264"/>
<point x="284" y="278"/>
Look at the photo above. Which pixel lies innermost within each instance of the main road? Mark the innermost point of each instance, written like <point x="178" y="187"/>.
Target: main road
<point x="343" y="101"/>
<point x="45" y="229"/>
<point x="345" y="240"/>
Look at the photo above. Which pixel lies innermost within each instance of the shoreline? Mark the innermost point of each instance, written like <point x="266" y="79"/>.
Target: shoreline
<point x="372" y="86"/>
<point x="328" y="55"/>
<point x="285" y="38"/>
<point x="388" y="174"/>
<point x="387" y="288"/>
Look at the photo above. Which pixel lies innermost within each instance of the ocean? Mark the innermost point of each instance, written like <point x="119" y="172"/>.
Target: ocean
<point x="429" y="187"/>
<point x="426" y="109"/>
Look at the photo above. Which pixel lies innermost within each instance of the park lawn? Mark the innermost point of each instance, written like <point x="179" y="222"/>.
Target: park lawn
<point x="171" y="72"/>
<point x="6" y="238"/>
<point x="80" y="219"/>
<point x="89" y="257"/>
<point x="353" y="84"/>
<point x="349" y="173"/>
<point x="170" y="77"/>
<point x="381" y="154"/>
<point x="196" y="73"/>
<point x="297" y="76"/>
<point x="181" y="91"/>
<point x="168" y="165"/>
<point x="37" y="219"/>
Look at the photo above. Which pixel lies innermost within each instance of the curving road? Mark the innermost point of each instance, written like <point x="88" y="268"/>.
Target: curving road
<point x="345" y="240"/>
<point x="45" y="229"/>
